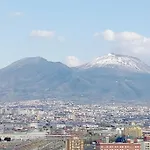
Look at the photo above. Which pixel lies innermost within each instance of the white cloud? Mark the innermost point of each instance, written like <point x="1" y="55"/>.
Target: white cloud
<point x="42" y="33"/>
<point x="16" y="14"/>
<point x="127" y="42"/>
<point x="109" y="35"/>
<point x="61" y="38"/>
<point x="73" y="61"/>
<point x="47" y="34"/>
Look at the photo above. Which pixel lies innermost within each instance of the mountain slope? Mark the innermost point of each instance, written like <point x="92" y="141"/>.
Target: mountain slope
<point x="117" y="77"/>
<point x="106" y="83"/>
<point x="31" y="78"/>
<point x="109" y="77"/>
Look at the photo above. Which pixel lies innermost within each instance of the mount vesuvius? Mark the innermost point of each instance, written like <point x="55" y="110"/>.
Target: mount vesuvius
<point x="117" y="77"/>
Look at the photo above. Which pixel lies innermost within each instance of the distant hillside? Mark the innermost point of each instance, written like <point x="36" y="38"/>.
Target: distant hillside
<point x="111" y="77"/>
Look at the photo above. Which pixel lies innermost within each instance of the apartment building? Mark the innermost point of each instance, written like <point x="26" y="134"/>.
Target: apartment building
<point x="74" y="143"/>
<point x="120" y="146"/>
<point x="133" y="131"/>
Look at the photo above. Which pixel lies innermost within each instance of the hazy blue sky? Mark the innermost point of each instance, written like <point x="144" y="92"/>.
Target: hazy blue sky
<point x="75" y="31"/>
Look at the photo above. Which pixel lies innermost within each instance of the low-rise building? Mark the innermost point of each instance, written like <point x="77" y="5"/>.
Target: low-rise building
<point x="75" y="143"/>
<point x="120" y="146"/>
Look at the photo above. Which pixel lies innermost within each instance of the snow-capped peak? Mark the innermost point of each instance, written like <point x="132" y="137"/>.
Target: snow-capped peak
<point x="120" y="61"/>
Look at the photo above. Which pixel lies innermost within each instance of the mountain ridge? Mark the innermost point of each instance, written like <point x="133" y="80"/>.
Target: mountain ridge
<point x="37" y="78"/>
<point x="118" y="61"/>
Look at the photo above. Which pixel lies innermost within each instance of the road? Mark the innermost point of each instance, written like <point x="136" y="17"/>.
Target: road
<point x="39" y="144"/>
<point x="54" y="145"/>
<point x="12" y="144"/>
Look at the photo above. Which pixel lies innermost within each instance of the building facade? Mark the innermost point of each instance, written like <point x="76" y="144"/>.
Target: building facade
<point x="120" y="146"/>
<point x="74" y="143"/>
<point x="145" y="145"/>
<point x="135" y="132"/>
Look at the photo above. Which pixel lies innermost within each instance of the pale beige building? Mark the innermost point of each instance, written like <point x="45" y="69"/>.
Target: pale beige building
<point x="133" y="131"/>
<point x="74" y="143"/>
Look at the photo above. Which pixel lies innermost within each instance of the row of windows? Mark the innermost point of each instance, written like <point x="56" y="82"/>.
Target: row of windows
<point x="113" y="149"/>
<point x="116" y="149"/>
<point x="137" y="146"/>
<point x="119" y="146"/>
<point x="73" y="148"/>
<point x="115" y="146"/>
